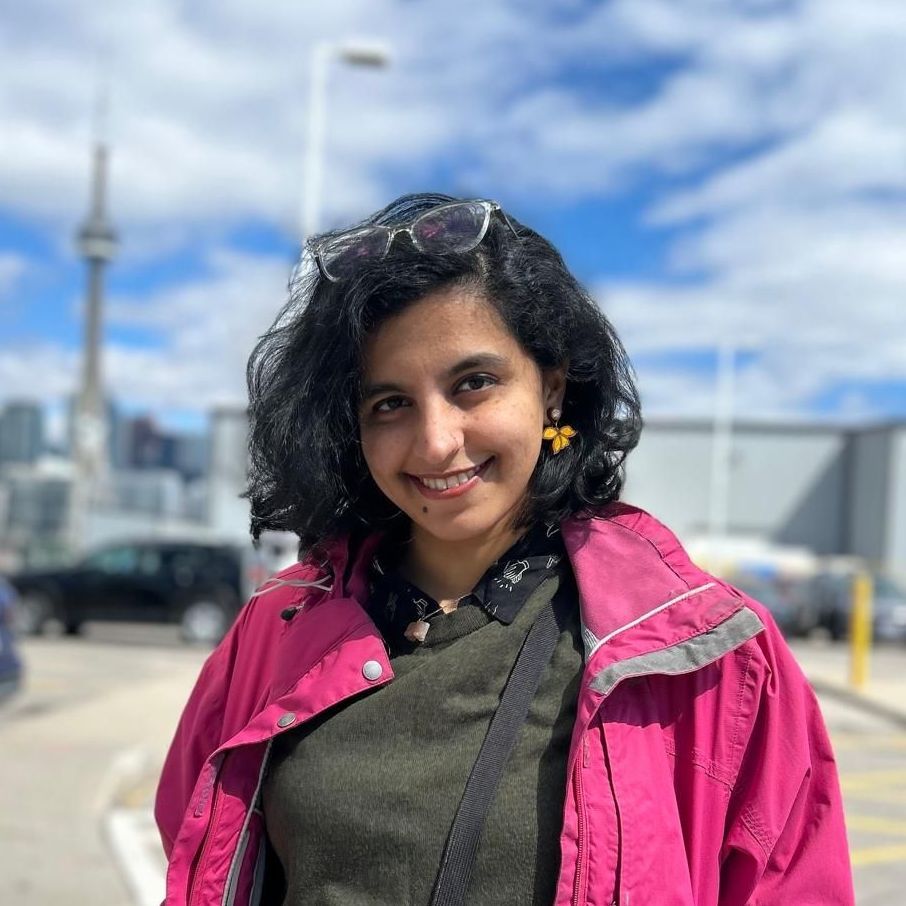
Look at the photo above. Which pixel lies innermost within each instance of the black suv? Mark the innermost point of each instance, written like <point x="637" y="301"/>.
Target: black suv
<point x="197" y="586"/>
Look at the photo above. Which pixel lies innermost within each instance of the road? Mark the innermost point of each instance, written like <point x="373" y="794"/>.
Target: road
<point x="95" y="717"/>
<point x="87" y="733"/>
<point x="871" y="755"/>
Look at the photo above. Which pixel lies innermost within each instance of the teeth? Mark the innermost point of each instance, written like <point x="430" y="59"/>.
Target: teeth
<point x="444" y="484"/>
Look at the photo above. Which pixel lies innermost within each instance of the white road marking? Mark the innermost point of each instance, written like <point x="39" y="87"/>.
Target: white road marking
<point x="132" y="836"/>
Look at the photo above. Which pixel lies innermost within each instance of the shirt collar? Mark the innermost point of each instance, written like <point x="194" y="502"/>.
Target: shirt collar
<point x="505" y="586"/>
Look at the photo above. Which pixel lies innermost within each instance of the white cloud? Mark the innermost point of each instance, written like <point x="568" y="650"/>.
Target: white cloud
<point x="38" y="371"/>
<point x="797" y="241"/>
<point x="12" y="267"/>
<point x="205" y="331"/>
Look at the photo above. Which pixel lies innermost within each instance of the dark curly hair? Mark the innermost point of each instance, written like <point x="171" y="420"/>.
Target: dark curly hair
<point x="307" y="473"/>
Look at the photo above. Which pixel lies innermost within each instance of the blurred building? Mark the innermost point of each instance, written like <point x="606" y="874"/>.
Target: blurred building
<point x="155" y="492"/>
<point x="21" y="432"/>
<point x="834" y="490"/>
<point x="190" y="455"/>
<point x="141" y="444"/>
<point x="228" y="512"/>
<point x="34" y="508"/>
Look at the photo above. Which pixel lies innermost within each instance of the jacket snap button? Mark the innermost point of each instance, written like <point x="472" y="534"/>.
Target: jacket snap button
<point x="286" y="719"/>
<point x="372" y="670"/>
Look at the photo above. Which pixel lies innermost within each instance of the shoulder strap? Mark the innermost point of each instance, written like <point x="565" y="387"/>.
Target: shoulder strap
<point x="462" y="842"/>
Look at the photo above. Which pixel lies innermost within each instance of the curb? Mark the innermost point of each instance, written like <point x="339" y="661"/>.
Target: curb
<point x="127" y="832"/>
<point x="123" y="808"/>
<point x="839" y="691"/>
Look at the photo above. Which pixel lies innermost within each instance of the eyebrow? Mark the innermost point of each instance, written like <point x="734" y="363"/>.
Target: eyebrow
<point x="478" y="360"/>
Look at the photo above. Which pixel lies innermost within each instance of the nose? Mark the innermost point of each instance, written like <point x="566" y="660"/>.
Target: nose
<point x="439" y="433"/>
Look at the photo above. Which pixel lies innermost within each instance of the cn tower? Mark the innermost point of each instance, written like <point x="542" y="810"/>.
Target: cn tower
<point x="97" y="242"/>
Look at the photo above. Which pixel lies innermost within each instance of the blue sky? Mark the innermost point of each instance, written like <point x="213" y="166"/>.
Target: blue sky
<point x="708" y="169"/>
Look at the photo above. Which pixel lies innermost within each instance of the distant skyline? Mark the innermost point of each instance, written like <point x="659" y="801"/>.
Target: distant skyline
<point x="702" y="166"/>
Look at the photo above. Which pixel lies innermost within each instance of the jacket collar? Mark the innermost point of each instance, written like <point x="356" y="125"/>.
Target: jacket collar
<point x="638" y="589"/>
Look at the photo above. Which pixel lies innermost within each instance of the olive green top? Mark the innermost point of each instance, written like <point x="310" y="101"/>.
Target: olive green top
<point x="358" y="803"/>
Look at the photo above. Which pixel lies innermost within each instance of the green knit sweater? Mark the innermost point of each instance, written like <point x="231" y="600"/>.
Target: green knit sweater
<point x="358" y="804"/>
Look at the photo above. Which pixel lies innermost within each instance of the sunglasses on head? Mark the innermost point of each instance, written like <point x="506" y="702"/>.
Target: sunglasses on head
<point x="447" y="229"/>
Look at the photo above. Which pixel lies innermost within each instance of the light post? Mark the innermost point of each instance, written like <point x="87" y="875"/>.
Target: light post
<point x="368" y="55"/>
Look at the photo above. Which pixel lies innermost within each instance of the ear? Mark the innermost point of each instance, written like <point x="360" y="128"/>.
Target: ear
<point x="553" y="386"/>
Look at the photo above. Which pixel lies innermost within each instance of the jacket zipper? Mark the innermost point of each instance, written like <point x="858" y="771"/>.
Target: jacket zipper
<point x="212" y="822"/>
<point x="580" y="809"/>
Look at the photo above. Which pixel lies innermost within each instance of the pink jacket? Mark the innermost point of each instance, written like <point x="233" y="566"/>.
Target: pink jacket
<point x="699" y="773"/>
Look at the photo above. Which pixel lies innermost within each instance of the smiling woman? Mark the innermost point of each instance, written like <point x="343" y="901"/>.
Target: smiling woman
<point x="487" y="680"/>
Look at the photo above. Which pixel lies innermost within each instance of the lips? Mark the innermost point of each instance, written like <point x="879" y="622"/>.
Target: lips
<point x="453" y="485"/>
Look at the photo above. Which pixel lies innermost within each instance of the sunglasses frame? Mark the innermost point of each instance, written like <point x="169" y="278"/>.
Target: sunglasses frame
<point x="490" y="208"/>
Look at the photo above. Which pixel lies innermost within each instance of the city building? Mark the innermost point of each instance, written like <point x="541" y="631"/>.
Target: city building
<point x="21" y="432"/>
<point x="34" y="509"/>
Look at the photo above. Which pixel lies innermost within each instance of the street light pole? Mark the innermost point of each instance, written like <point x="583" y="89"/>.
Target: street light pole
<point x="365" y="55"/>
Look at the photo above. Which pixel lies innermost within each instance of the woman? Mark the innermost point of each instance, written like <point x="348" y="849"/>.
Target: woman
<point x="487" y="681"/>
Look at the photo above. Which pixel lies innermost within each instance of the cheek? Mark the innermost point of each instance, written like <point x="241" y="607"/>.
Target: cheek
<point x="380" y="453"/>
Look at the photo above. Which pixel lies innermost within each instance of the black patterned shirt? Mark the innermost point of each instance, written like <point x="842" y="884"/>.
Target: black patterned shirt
<point x="394" y="603"/>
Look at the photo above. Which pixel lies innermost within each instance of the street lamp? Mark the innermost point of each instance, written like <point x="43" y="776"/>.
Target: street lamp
<point x="373" y="56"/>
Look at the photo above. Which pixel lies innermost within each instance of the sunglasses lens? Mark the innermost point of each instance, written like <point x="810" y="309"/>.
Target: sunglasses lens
<point x="341" y="256"/>
<point x="451" y="228"/>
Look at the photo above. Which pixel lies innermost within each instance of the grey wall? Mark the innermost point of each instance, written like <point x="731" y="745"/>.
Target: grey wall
<point x="869" y="493"/>
<point x="895" y="550"/>
<point x="786" y="483"/>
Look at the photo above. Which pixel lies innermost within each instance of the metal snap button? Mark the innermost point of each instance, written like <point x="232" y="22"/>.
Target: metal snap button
<point x="286" y="719"/>
<point x="372" y="670"/>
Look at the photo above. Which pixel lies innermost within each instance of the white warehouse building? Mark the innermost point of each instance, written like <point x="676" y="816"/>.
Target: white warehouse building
<point x="835" y="490"/>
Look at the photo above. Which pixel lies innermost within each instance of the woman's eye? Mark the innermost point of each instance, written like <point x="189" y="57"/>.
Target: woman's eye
<point x="477" y="382"/>
<point x="391" y="404"/>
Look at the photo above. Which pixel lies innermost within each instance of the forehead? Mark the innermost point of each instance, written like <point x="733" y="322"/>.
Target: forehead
<point x="438" y="330"/>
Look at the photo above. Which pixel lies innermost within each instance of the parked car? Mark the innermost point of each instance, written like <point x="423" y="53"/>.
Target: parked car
<point x="833" y="592"/>
<point x="10" y="662"/>
<point x="767" y="592"/>
<point x="198" y="586"/>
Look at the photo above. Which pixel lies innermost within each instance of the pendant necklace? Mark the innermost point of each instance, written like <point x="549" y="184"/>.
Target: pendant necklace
<point x="417" y="630"/>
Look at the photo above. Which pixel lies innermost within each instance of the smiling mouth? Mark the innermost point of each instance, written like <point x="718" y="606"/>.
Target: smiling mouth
<point x="450" y="481"/>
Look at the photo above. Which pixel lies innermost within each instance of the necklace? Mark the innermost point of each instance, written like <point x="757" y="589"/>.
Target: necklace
<point x="417" y="630"/>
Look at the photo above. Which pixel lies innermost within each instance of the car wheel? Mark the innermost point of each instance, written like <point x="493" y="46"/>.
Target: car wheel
<point x="33" y="611"/>
<point x="204" y="622"/>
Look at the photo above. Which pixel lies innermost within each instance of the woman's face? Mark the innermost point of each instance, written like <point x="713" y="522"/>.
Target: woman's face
<point x="452" y="415"/>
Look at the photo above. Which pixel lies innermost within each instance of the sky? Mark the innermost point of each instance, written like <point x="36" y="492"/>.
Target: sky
<point x="712" y="171"/>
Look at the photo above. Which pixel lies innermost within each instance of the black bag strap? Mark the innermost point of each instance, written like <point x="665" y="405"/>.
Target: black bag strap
<point x="462" y="842"/>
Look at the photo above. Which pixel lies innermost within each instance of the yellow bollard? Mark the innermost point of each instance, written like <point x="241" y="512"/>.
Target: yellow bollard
<point x="860" y="631"/>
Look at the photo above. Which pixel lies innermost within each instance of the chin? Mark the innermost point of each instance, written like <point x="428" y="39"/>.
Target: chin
<point x="459" y="527"/>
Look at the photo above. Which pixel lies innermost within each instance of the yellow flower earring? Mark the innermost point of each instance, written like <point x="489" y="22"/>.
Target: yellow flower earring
<point x="559" y="435"/>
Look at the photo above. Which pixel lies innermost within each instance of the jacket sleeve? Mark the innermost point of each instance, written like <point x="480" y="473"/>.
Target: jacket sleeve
<point x="785" y="840"/>
<point x="198" y="734"/>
